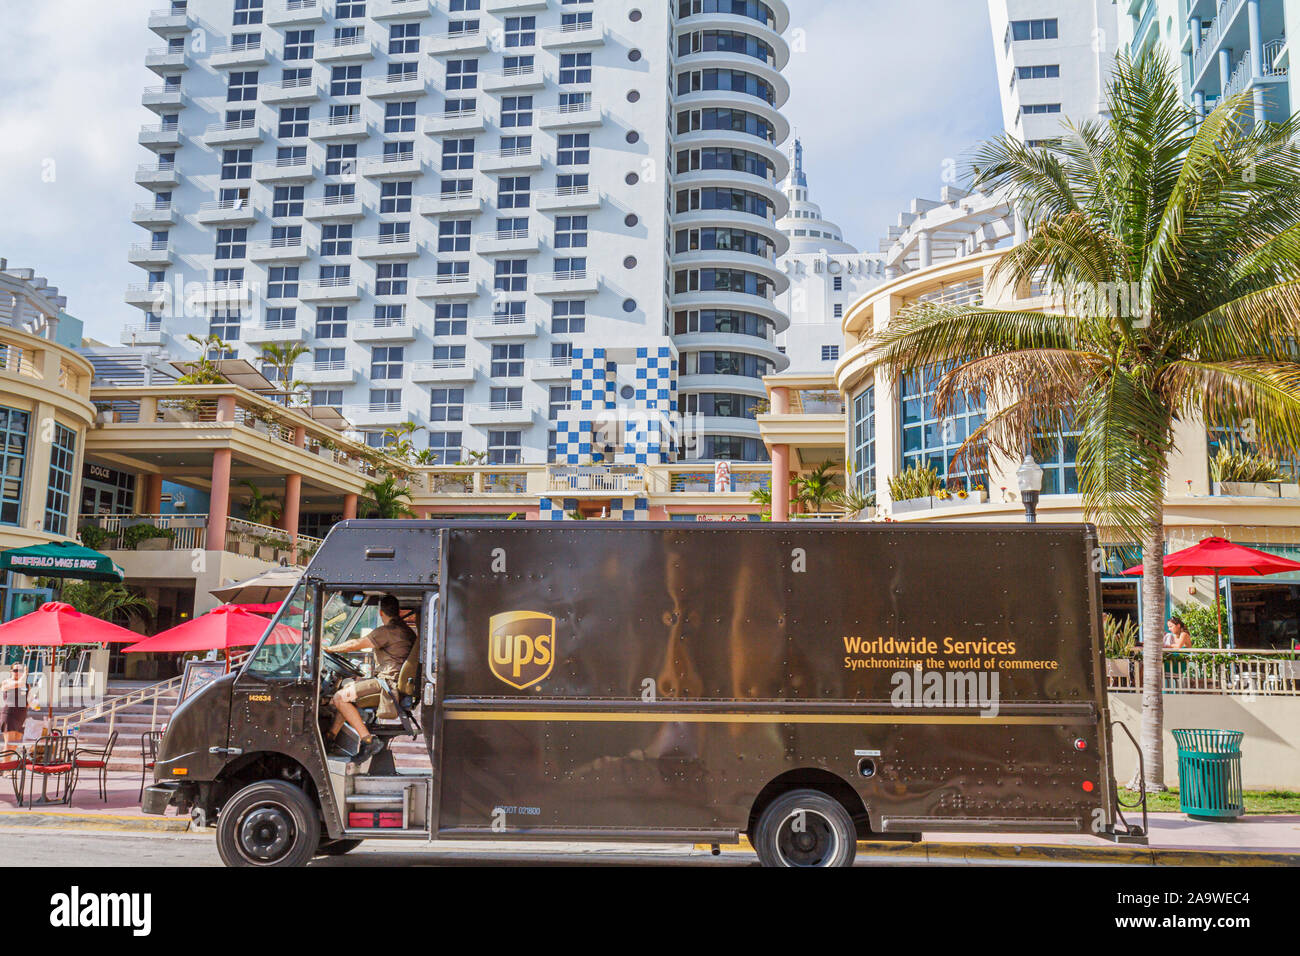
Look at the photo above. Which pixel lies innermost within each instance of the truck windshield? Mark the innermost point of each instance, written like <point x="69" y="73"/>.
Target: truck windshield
<point x="277" y="656"/>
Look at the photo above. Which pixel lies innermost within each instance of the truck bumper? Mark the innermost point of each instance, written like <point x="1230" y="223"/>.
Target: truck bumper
<point x="159" y="796"/>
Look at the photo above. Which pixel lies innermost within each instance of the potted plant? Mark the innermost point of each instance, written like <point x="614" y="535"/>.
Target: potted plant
<point x="147" y="537"/>
<point x="1120" y="638"/>
<point x="93" y="536"/>
<point x="914" y="489"/>
<point x="1248" y="475"/>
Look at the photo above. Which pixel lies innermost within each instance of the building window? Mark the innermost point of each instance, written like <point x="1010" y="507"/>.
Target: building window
<point x="395" y="197"/>
<point x="511" y="275"/>
<point x="232" y="243"/>
<point x="559" y="403"/>
<point x="345" y="81"/>
<point x="13" y="462"/>
<point x="507" y="361"/>
<point x="247" y="12"/>
<point x="242" y="87"/>
<point x="1057" y="452"/>
<point x="830" y="353"/>
<point x="341" y="159"/>
<point x="454" y="235"/>
<point x="332" y="322"/>
<point x="1044" y="72"/>
<point x="1033" y="29"/>
<point x="574" y="149"/>
<point x="299" y="44"/>
<point x="237" y="164"/>
<point x="447" y="405"/>
<point x="575" y="68"/>
<point x="571" y="232"/>
<point x="864" y="440"/>
<point x="450" y="318"/>
<point x="568" y="317"/>
<point x="282" y="282"/>
<point x="521" y="31"/>
<point x="390" y="278"/>
<point x="516" y="111"/>
<point x="386" y="362"/>
<point x="932" y="441"/>
<point x="336" y="239"/>
<point x="505" y="448"/>
<point x="403" y="39"/>
<point x="58" y="499"/>
<point x="444" y="448"/>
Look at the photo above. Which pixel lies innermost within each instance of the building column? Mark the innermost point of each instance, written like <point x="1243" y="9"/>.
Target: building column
<point x="780" y="482"/>
<point x="36" y="479"/>
<point x="153" y="493"/>
<point x="925" y="248"/>
<point x="1198" y="103"/>
<point x="1194" y="27"/>
<point x="292" y="505"/>
<point x="219" y="509"/>
<point x="1225" y="69"/>
<point x="349" y="506"/>
<point x="1256" y="56"/>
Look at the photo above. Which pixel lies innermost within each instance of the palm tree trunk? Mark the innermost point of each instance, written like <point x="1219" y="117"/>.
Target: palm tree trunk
<point x="1153" y="648"/>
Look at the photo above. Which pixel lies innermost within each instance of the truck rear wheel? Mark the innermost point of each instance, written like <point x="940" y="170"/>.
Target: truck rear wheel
<point x="805" y="828"/>
<point x="271" y="823"/>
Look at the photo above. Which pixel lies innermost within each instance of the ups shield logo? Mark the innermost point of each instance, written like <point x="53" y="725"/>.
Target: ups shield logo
<point x="521" y="647"/>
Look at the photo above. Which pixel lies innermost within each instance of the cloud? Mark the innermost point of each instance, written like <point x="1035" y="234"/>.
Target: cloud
<point x="73" y="72"/>
<point x="885" y="96"/>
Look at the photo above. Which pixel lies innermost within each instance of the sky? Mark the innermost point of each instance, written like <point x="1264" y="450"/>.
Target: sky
<point x="885" y="95"/>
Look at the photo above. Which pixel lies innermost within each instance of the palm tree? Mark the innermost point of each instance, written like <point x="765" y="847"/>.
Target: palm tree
<point x="399" y="442"/>
<point x="282" y="358"/>
<point x="262" y="509"/>
<point x="203" y="371"/>
<point x="763" y="498"/>
<point x="816" y="488"/>
<point x="106" y="600"/>
<point x="1196" y="222"/>
<point x="384" y="499"/>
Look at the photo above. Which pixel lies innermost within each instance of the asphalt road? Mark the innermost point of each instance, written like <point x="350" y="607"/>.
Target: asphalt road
<point x="87" y="848"/>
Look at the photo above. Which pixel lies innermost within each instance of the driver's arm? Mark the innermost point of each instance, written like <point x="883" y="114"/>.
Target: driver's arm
<point x="356" y="644"/>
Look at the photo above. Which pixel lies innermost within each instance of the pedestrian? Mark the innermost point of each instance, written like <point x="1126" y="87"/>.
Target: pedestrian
<point x="13" y="706"/>
<point x="1177" y="637"/>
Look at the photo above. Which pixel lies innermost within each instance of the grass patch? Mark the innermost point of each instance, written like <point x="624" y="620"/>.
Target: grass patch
<point x="1266" y="801"/>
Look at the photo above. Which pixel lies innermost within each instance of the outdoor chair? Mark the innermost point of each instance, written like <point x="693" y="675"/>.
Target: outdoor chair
<point x="148" y="755"/>
<point x="14" y="764"/>
<point x="54" y="757"/>
<point x="98" y="760"/>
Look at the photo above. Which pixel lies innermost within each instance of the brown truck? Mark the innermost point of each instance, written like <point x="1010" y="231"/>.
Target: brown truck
<point x="807" y="686"/>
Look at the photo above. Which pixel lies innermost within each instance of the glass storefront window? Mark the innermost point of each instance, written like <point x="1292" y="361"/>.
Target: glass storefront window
<point x="13" y="463"/>
<point x="864" y="440"/>
<point x="932" y="441"/>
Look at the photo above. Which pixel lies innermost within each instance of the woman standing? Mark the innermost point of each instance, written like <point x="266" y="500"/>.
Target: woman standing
<point x="13" y="706"/>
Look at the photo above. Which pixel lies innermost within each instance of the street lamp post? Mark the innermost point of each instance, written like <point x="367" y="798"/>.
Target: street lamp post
<point x="1029" y="476"/>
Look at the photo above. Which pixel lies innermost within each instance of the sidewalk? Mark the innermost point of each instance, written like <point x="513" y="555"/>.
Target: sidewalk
<point x="1175" y="840"/>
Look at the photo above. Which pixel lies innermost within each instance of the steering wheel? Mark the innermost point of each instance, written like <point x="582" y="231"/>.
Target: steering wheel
<point x="341" y="665"/>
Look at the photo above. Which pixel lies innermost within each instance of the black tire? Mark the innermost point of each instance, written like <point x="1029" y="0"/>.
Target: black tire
<point x="271" y="823"/>
<point x="337" y="847"/>
<point x="805" y="828"/>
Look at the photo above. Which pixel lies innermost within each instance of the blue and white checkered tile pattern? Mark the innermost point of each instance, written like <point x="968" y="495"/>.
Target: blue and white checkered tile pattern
<point x="552" y="510"/>
<point x="656" y="379"/>
<point x="591" y="388"/>
<point x="639" y="511"/>
<point x="593" y="394"/>
<point x="573" y="445"/>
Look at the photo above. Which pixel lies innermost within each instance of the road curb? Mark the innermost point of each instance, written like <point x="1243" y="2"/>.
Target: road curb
<point x="94" y="821"/>
<point x="1058" y="853"/>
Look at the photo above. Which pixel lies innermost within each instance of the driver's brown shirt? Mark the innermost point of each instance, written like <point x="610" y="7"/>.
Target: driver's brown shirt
<point x="392" y="644"/>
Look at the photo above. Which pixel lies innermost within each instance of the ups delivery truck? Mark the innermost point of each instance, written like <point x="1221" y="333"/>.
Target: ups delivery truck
<point x="808" y="686"/>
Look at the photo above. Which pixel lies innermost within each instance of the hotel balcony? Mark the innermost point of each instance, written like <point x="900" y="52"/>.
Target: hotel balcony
<point x="146" y="335"/>
<point x="329" y="373"/>
<point x="468" y="203"/>
<point x="245" y="132"/>
<point x="518" y="159"/>
<point x="507" y="327"/>
<point x="552" y="369"/>
<point x="520" y="241"/>
<point x="338" y="127"/>
<point x="515" y="78"/>
<point x="165" y="60"/>
<point x="151" y="254"/>
<point x="165" y="137"/>
<point x="456" y="121"/>
<point x="397" y="87"/>
<point x="151" y="298"/>
<point x="582" y="282"/>
<point x="330" y="290"/>
<point x="225" y="295"/>
<point x="345" y="49"/>
<point x="443" y="372"/>
<point x="399" y="9"/>
<point x="335" y="208"/>
<point x="376" y="414"/>
<point x="388" y="247"/>
<point x="157" y="175"/>
<point x="304" y="90"/>
<point x="154" y="214"/>
<point x="500" y="413"/>
<point x="238" y="55"/>
<point x="298" y="169"/>
<point x="513" y="6"/>
<point x="162" y="99"/>
<point x="382" y="332"/>
<point x="446" y="287"/>
<point x="227" y="212"/>
<point x="278" y="334"/>
<point x="280" y="250"/>
<point x="169" y="23"/>
<point x="576" y="116"/>
<point x="295" y="12"/>
<point x="571" y="197"/>
<point x="393" y="166"/>
<point x="573" y="36"/>
<point x="464" y="41"/>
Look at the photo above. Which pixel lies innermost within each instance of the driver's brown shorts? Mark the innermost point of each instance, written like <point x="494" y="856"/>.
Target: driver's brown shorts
<point x="363" y="693"/>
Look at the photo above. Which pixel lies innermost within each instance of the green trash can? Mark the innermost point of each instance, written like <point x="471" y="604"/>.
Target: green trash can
<point x="1209" y="773"/>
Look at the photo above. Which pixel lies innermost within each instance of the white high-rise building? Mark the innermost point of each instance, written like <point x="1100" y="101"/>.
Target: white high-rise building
<point x="508" y="222"/>
<point x="1054" y="58"/>
<point x="826" y="275"/>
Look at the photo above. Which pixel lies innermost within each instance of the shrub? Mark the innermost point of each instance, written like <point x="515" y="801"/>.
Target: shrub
<point x="132" y="536"/>
<point x="1120" y="636"/>
<point x="915" y="482"/>
<point x="1202" y="623"/>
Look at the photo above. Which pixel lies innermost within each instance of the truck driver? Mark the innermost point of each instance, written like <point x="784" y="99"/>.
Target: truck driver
<point x="392" y="643"/>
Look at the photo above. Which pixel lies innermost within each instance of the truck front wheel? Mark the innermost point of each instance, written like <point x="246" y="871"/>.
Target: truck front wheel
<point x="271" y="823"/>
<point x="805" y="828"/>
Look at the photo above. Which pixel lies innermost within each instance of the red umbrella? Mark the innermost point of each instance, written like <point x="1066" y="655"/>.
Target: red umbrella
<point x="221" y="628"/>
<point x="271" y="608"/>
<point x="56" y="625"/>
<point x="1220" y="556"/>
